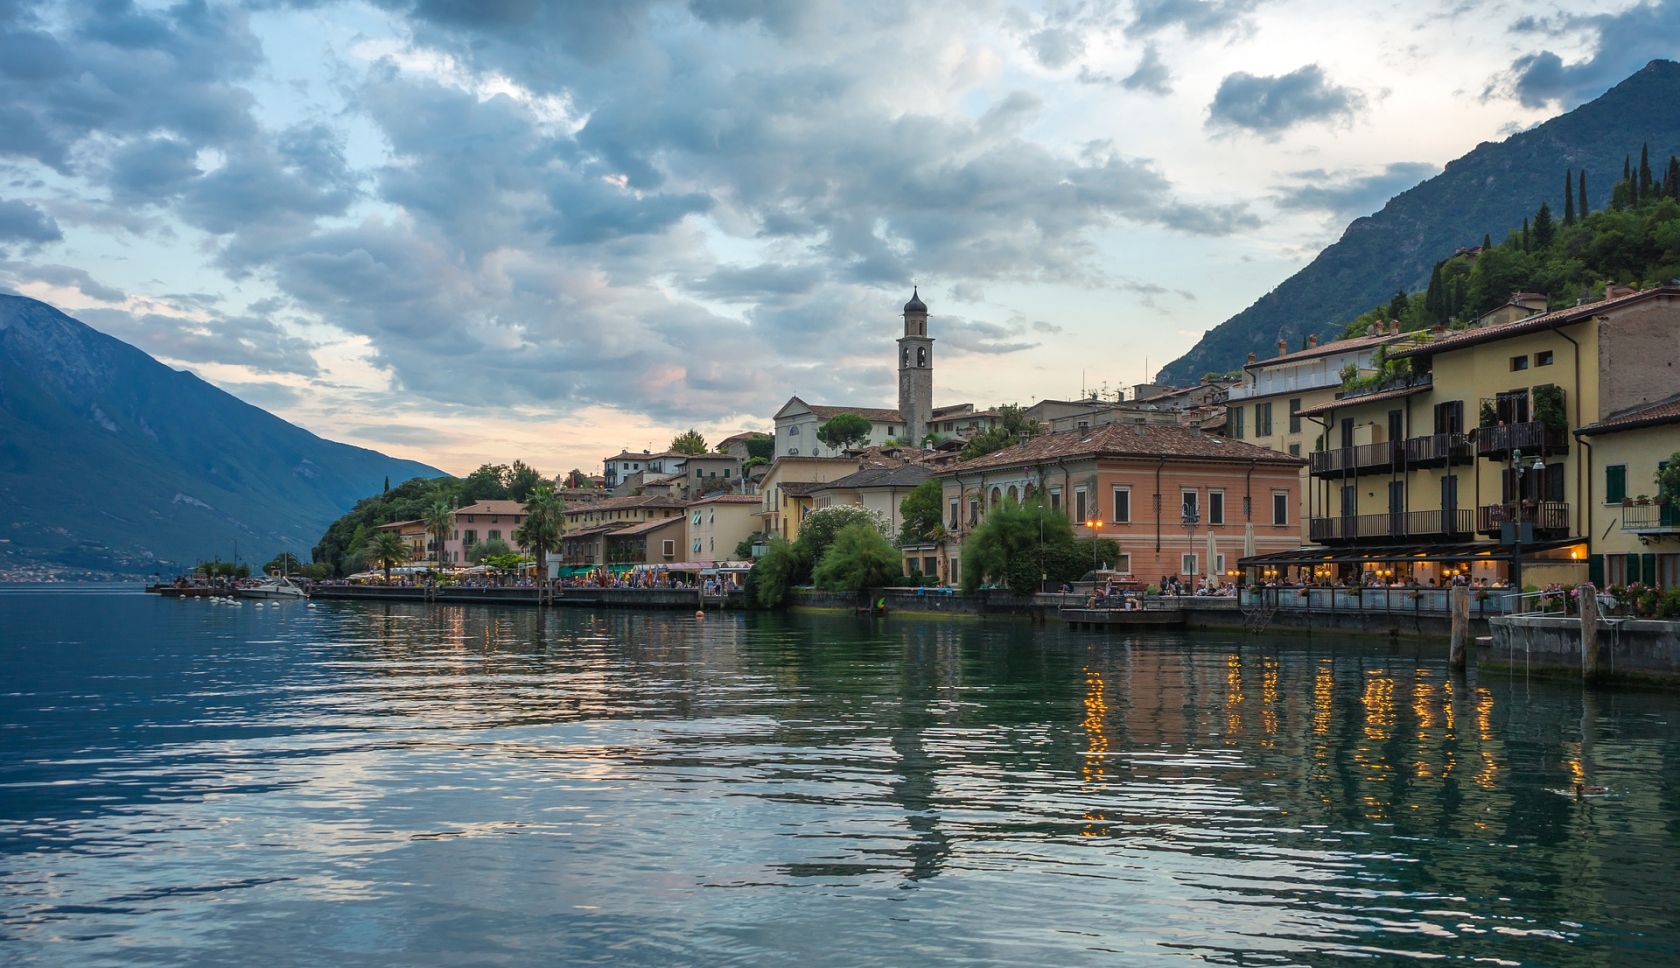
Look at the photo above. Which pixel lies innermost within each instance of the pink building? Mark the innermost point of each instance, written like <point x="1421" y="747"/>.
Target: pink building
<point x="479" y="523"/>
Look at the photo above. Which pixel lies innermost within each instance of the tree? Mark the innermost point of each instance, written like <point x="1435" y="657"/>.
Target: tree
<point x="1645" y="170"/>
<point x="1671" y="181"/>
<point x="1581" y="209"/>
<point x="762" y="446"/>
<point x="1398" y="305"/>
<point x="386" y="548"/>
<point x="387" y="488"/>
<point x="1013" y="426"/>
<point x="860" y="557"/>
<point x="1668" y="481"/>
<point x="750" y="463"/>
<point x="1568" y="198"/>
<point x="574" y="478"/>
<point x="540" y="532"/>
<point x="1435" y="297"/>
<point x="1544" y="231"/>
<point x="1021" y="545"/>
<point x="284" y="563"/>
<point x="743" y="550"/>
<point x="489" y="548"/>
<point x="1525" y="234"/>
<point x="821" y="527"/>
<point x="776" y="571"/>
<point x="523" y="480"/>
<point x="689" y="442"/>
<point x="488" y="483"/>
<point x="923" y="513"/>
<point x="439" y="522"/>
<point x="844" y="430"/>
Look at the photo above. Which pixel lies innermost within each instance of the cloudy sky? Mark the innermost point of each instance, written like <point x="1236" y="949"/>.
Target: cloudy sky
<point x="469" y="230"/>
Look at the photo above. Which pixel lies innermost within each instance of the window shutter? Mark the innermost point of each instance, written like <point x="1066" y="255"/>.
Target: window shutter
<point x="1648" y="568"/>
<point x="1595" y="570"/>
<point x="1615" y="484"/>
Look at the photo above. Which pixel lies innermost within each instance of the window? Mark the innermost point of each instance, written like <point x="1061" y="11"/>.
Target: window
<point x="1519" y="363"/>
<point x="1615" y="484"/>
<point x="930" y="567"/>
<point x="793" y="431"/>
<point x="1396" y="497"/>
<point x="495" y="536"/>
<point x="956" y="571"/>
<point x="1280" y="508"/>
<point x="1079" y="504"/>
<point x="1236" y="423"/>
<point x="668" y="547"/>
<point x="1543" y="358"/>
<point x="695" y="519"/>
<point x="1449" y="417"/>
<point x="1295" y="416"/>
<point x="1219" y="565"/>
<point x="1554" y="482"/>
<point x="1294" y="450"/>
<point x="892" y="431"/>
<point x="471" y="538"/>
<point x="726" y="472"/>
<point x="1190" y="506"/>
<point x="696" y="544"/>
<point x="1122" y="505"/>
<point x="1262" y="420"/>
<point x="1187" y="565"/>
<point x="1123" y="563"/>
<point x="1055" y="499"/>
<point x="711" y="515"/>
<point x="1615" y="569"/>
<point x="954" y="519"/>
<point x="1216" y="507"/>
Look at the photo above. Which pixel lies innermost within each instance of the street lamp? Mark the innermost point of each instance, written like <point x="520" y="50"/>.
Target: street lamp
<point x="1517" y="526"/>
<point x="1095" y="524"/>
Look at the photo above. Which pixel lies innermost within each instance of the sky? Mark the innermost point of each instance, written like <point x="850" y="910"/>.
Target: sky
<point x="464" y="231"/>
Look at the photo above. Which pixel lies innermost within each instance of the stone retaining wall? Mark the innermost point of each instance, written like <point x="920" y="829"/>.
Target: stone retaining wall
<point x="1633" y="649"/>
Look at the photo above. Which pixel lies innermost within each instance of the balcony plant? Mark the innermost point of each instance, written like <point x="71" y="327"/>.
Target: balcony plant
<point x="1548" y="408"/>
<point x="1489" y="416"/>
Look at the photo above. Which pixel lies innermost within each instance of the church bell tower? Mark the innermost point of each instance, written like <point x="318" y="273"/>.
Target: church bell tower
<point x="915" y="372"/>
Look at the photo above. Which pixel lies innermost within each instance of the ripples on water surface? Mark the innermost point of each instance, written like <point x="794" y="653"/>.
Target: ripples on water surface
<point x="192" y="784"/>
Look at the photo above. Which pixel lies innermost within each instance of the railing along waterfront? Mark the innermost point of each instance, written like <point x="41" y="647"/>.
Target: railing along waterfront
<point x="1460" y="522"/>
<point x="1483" y="601"/>
<point x="1550" y="516"/>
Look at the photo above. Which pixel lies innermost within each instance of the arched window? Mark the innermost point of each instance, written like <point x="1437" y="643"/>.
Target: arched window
<point x="997" y="496"/>
<point x="907" y="356"/>
<point x="1014" y="495"/>
<point x="921" y="356"/>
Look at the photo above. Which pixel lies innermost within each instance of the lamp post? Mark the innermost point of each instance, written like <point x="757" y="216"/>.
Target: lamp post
<point x="1095" y="524"/>
<point x="1517" y="527"/>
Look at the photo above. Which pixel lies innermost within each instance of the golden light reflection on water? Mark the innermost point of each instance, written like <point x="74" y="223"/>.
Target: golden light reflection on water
<point x="1233" y="699"/>
<point x="1095" y="723"/>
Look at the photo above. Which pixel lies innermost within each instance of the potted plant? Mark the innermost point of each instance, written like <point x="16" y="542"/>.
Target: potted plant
<point x="1642" y="500"/>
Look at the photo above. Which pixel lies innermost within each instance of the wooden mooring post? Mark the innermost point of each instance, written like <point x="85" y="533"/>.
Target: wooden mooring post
<point x="1459" y="602"/>
<point x="1591" y="659"/>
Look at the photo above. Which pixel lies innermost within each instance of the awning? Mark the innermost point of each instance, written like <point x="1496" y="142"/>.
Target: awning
<point x="1397" y="553"/>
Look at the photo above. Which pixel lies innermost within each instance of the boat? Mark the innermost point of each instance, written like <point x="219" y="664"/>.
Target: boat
<point x="277" y="586"/>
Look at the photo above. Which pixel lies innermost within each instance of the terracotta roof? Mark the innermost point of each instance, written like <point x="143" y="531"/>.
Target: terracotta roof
<point x="1329" y="349"/>
<point x="390" y="525"/>
<point x="907" y="475"/>
<point x="1126" y="440"/>
<point x="493" y="507"/>
<point x="632" y="455"/>
<point x="633" y="501"/>
<point x="727" y="499"/>
<point x="1355" y="401"/>
<point x="868" y="413"/>
<point x="646" y="527"/>
<point x="798" y="488"/>
<point x="1645" y="415"/>
<point x="1487" y="334"/>
<point x="591" y="531"/>
<point x="743" y="436"/>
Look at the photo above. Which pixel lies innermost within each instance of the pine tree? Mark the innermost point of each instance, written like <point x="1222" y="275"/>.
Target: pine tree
<point x="1543" y="230"/>
<point x="1581" y="208"/>
<point x="1645" y="171"/>
<point x="1568" y="197"/>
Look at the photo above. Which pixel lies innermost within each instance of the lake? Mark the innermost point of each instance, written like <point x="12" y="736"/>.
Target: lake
<point x="187" y="783"/>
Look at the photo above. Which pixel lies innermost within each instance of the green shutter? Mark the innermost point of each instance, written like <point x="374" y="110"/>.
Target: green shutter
<point x="1595" y="570"/>
<point x="1648" y="568"/>
<point x="1615" y="483"/>
<point x="1632" y="569"/>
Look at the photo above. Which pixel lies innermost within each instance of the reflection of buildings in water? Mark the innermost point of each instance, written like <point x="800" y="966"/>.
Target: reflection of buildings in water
<point x="924" y="670"/>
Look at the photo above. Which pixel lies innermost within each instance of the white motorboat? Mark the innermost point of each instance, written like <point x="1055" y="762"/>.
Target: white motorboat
<point x="278" y="586"/>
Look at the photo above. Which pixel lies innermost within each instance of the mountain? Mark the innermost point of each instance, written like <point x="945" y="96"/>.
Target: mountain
<point x="1486" y="192"/>
<point x="112" y="462"/>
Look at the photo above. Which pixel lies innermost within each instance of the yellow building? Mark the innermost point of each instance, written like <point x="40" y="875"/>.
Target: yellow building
<point x="785" y="492"/>
<point x="412" y="532"/>
<point x="1445" y="469"/>
<point x="1635" y="534"/>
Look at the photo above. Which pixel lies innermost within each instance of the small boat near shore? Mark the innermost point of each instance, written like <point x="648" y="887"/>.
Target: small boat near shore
<point x="278" y="587"/>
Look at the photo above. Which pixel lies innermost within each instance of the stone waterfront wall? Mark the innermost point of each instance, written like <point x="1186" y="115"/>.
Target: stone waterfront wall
<point x="688" y="598"/>
<point x="1633" y="649"/>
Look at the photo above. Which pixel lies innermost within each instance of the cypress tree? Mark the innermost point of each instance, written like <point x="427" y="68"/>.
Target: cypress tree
<point x="1543" y="230"/>
<point x="1645" y="171"/>
<point x="1525" y="234"/>
<point x="1627" y="168"/>
<point x="1671" y="181"/>
<point x="1568" y="197"/>
<point x="1487" y="242"/>
<point x="1433" y="297"/>
<point x="1581" y="203"/>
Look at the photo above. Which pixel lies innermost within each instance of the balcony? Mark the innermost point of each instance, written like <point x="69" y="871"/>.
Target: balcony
<point x="1655" y="519"/>
<point x="1549" y="518"/>
<point x="1347" y="461"/>
<point x="1531" y="437"/>
<point x="1439" y="450"/>
<point x="1454" y="525"/>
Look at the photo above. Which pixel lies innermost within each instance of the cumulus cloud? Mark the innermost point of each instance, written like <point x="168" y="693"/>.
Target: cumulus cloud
<point x="1624" y="41"/>
<point x="1151" y="74"/>
<point x="1194" y="17"/>
<point x="23" y="222"/>
<point x="1347" y="194"/>
<point x="1270" y="105"/>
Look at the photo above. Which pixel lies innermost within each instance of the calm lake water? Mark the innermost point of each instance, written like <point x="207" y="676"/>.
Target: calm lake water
<point x="184" y="783"/>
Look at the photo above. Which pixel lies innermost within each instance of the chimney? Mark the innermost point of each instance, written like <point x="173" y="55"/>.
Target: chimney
<point x="1283" y="347"/>
<point x="1251" y="357"/>
<point x="1394" y="326"/>
<point x="1312" y="341"/>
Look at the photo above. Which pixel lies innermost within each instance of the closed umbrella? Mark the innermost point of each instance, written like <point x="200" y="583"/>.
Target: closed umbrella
<point x="1248" y="540"/>
<point x="1213" y="558"/>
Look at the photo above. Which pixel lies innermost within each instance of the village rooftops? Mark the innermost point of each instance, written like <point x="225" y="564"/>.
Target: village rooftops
<point x="1126" y="440"/>
<point x="493" y="508"/>
<point x="1562" y="317"/>
<point x="879" y="414"/>
<point x="645" y="455"/>
<point x="398" y="525"/>
<point x="633" y="501"/>
<point x="727" y="499"/>
<point x="646" y="527"/>
<point x="1332" y="348"/>
<point x="1352" y="401"/>
<point x="907" y="475"/>
<point x="1656" y="414"/>
<point x="798" y="488"/>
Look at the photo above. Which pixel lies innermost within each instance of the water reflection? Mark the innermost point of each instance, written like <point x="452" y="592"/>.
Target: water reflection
<point x="447" y="785"/>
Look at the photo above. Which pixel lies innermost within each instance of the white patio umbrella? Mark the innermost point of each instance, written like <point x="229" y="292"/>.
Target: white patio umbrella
<point x="1213" y="558"/>
<point x="1248" y="540"/>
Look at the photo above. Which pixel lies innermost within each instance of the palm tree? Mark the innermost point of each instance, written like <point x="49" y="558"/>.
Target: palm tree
<point x="388" y="548"/>
<point x="540" y="532"/>
<point x="439" y="520"/>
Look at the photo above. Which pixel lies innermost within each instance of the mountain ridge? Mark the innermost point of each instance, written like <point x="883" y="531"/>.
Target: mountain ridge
<point x="1486" y="191"/>
<point x="112" y="462"/>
